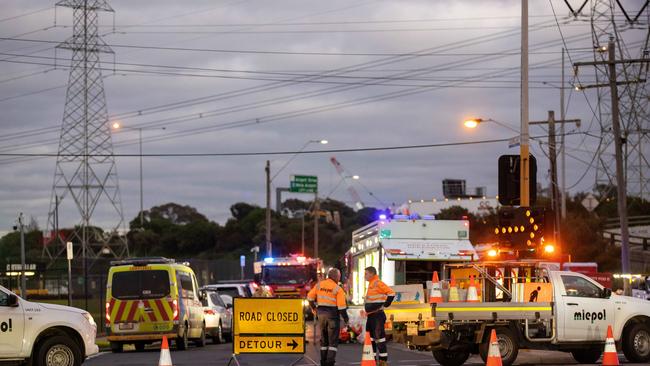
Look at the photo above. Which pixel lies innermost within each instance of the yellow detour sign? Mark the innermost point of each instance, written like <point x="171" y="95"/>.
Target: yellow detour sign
<point x="269" y="344"/>
<point x="268" y="325"/>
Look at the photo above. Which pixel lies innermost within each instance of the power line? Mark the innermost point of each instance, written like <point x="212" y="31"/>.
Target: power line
<point x="25" y="14"/>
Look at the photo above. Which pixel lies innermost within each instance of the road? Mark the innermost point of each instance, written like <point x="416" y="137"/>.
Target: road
<point x="349" y="354"/>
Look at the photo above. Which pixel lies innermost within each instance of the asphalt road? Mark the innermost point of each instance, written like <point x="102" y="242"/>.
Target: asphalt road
<point x="349" y="354"/>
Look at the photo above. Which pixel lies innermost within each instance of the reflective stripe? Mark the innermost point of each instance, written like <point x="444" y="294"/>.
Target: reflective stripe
<point x="342" y="307"/>
<point x="383" y="355"/>
<point x="381" y="340"/>
<point x="325" y="297"/>
<point x="375" y="296"/>
<point x="327" y="305"/>
<point x="375" y="302"/>
<point x="332" y="349"/>
<point x="323" y="348"/>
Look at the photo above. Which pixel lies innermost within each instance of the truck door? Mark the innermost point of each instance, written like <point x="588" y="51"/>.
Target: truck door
<point x="582" y="310"/>
<point x="12" y="327"/>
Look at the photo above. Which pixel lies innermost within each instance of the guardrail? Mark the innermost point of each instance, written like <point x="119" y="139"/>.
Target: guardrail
<point x="631" y="221"/>
<point x="615" y="238"/>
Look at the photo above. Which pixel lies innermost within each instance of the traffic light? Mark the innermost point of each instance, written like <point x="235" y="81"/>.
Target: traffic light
<point x="509" y="179"/>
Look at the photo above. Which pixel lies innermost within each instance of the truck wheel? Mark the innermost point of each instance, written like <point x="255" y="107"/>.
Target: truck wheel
<point x="182" y="342"/>
<point x="450" y="358"/>
<point x="116" y="347"/>
<point x="139" y="346"/>
<point x="508" y="346"/>
<point x="636" y="343"/>
<point x="588" y="355"/>
<point x="58" y="351"/>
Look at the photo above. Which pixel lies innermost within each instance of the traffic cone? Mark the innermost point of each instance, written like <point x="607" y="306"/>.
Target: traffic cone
<point x="472" y="293"/>
<point x="435" y="295"/>
<point x="610" y="356"/>
<point x="494" y="357"/>
<point x="367" y="356"/>
<point x="165" y="357"/>
<point x="453" y="291"/>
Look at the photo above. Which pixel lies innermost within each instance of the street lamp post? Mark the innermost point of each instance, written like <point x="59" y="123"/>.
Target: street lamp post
<point x="118" y="126"/>
<point x="268" y="198"/>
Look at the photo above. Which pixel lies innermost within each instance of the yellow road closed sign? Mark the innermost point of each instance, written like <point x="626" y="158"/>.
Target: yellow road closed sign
<point x="260" y="315"/>
<point x="269" y="344"/>
<point x="268" y="325"/>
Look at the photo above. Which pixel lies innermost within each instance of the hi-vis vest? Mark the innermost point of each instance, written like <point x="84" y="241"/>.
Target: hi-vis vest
<point x="378" y="292"/>
<point x="328" y="293"/>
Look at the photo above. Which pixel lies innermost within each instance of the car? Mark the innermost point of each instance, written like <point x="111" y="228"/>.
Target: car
<point x="42" y="333"/>
<point x="235" y="289"/>
<point x="218" y="316"/>
<point x="148" y="298"/>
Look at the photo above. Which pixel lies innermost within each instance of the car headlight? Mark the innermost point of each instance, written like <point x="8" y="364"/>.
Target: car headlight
<point x="89" y="318"/>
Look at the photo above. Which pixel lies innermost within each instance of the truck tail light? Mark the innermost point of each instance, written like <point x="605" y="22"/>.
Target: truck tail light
<point x="108" y="312"/>
<point x="175" y="309"/>
<point x="209" y="311"/>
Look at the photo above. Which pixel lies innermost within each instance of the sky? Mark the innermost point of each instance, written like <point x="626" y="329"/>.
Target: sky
<point x="374" y="73"/>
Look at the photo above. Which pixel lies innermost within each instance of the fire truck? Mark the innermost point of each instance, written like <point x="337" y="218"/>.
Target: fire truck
<point x="289" y="277"/>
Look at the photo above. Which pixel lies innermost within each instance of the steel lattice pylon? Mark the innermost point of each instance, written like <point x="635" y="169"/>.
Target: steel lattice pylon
<point x="609" y="19"/>
<point x="85" y="171"/>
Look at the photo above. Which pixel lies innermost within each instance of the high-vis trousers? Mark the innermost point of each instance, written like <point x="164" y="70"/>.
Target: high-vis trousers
<point x="329" y="337"/>
<point x="375" y="325"/>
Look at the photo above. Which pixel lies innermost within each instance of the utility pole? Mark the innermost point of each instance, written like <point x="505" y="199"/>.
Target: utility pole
<point x="552" y="155"/>
<point x="302" y="235"/>
<point x="269" y="245"/>
<point x="618" y="147"/>
<point x="316" y="220"/>
<point x="562" y="142"/>
<point x="141" y="184"/>
<point x="524" y="154"/>
<point x="23" y="280"/>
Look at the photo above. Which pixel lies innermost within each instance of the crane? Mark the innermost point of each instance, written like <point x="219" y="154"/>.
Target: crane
<point x="344" y="177"/>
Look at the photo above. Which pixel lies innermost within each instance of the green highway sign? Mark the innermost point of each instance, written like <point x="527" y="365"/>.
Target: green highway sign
<point x="303" y="184"/>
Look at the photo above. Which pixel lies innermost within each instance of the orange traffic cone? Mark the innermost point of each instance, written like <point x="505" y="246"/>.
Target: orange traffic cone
<point x="435" y="295"/>
<point x="610" y="356"/>
<point x="494" y="357"/>
<point x="472" y="293"/>
<point x="165" y="357"/>
<point x="367" y="356"/>
<point x="454" y="296"/>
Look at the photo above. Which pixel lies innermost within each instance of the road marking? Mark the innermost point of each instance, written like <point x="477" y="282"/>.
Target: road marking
<point x="97" y="355"/>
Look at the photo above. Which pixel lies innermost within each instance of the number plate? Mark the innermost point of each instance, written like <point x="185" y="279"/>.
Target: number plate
<point x="126" y="326"/>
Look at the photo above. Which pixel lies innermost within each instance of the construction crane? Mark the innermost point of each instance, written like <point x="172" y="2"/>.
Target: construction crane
<point x="345" y="178"/>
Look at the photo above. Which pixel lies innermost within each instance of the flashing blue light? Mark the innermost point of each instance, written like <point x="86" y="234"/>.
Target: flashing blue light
<point x="268" y="260"/>
<point x="382" y="217"/>
<point x="428" y="217"/>
<point x="400" y="217"/>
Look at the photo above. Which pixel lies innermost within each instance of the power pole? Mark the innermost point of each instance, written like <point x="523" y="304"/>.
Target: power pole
<point x="524" y="152"/>
<point x="269" y="245"/>
<point x="621" y="184"/>
<point x="23" y="280"/>
<point x="562" y="141"/>
<point x="552" y="155"/>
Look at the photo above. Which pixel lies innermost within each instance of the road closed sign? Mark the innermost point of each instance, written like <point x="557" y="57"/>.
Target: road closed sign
<point x="268" y="325"/>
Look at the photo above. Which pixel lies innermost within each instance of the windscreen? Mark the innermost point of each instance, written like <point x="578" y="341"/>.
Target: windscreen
<point x="140" y="284"/>
<point x="231" y="291"/>
<point x="289" y="275"/>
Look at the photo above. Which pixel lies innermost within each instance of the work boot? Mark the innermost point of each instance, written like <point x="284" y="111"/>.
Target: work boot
<point x="383" y="363"/>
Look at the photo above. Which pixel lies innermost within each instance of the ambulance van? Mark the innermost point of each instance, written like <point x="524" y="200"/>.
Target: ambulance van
<point x="147" y="298"/>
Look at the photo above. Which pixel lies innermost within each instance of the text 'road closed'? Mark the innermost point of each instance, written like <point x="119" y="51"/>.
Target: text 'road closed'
<point x="268" y="344"/>
<point x="263" y="316"/>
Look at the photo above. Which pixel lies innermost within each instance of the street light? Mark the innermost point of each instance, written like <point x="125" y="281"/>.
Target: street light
<point x="118" y="126"/>
<point x="474" y="122"/>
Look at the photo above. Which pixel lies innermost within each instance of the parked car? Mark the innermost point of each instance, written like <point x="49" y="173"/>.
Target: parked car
<point x="235" y="289"/>
<point x="218" y="315"/>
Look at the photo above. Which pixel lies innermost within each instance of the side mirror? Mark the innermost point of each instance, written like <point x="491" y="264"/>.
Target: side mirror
<point x="607" y="293"/>
<point x="228" y="305"/>
<point x="12" y="301"/>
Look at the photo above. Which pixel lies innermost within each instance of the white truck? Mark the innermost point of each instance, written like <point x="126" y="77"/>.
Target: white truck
<point x="568" y="312"/>
<point x="41" y="334"/>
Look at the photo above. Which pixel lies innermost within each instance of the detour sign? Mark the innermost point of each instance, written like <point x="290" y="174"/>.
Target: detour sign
<point x="268" y="325"/>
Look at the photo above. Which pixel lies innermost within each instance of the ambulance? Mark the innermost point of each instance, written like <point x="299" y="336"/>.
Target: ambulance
<point x="148" y="298"/>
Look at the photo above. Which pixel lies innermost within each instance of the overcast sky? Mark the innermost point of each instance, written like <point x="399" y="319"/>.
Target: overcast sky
<point x="464" y="41"/>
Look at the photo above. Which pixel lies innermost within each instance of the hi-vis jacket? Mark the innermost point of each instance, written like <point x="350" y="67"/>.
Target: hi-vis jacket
<point x="329" y="297"/>
<point x="378" y="295"/>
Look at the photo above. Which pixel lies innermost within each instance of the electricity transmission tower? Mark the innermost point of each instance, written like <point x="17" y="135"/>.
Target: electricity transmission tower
<point x="625" y="22"/>
<point x="85" y="172"/>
